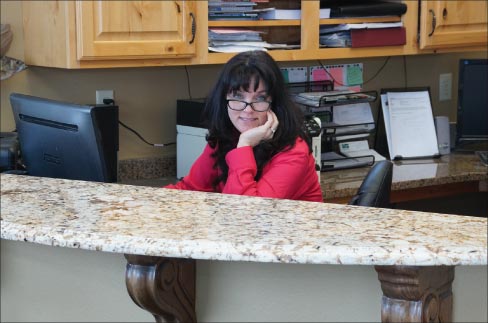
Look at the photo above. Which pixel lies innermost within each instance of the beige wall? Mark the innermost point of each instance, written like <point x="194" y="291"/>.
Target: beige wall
<point x="147" y="96"/>
<point x="50" y="284"/>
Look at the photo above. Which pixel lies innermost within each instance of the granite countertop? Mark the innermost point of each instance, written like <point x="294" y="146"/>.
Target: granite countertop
<point x="162" y="222"/>
<point x="452" y="168"/>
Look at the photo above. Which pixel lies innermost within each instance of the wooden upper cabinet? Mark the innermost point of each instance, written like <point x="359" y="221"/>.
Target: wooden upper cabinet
<point x="134" y="29"/>
<point x="445" y="24"/>
<point x="103" y="34"/>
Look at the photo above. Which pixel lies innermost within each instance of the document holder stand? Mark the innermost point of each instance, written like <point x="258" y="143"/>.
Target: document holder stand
<point x="422" y="110"/>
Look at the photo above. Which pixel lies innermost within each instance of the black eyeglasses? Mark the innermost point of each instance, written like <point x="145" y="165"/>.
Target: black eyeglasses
<point x="238" y="105"/>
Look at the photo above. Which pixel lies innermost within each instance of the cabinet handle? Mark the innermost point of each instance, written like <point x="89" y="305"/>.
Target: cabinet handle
<point x="433" y="22"/>
<point x="193" y="28"/>
<point x="177" y="6"/>
<point x="444" y="13"/>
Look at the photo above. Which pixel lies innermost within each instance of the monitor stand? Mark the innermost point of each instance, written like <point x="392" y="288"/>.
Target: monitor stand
<point x="471" y="146"/>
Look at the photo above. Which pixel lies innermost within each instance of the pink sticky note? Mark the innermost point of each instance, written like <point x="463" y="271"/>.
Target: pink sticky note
<point x="319" y="74"/>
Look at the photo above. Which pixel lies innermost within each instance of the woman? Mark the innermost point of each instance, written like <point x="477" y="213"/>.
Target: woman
<point x="255" y="144"/>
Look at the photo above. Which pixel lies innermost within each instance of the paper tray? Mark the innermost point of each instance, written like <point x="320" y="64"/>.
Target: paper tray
<point x="346" y="162"/>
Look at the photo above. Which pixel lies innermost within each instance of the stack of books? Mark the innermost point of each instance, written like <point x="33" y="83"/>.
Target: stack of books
<point x="231" y="10"/>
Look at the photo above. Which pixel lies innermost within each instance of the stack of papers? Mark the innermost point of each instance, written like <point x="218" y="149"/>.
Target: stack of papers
<point x="340" y="35"/>
<point x="227" y="34"/>
<point x="226" y="40"/>
<point x="316" y="99"/>
<point x="358" y="149"/>
<point x="327" y="29"/>
<point x="234" y="40"/>
<point x="334" y="161"/>
<point x="231" y="10"/>
<point x="352" y="114"/>
<point x="354" y="119"/>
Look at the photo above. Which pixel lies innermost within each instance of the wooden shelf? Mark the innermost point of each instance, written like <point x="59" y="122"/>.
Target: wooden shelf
<point x="337" y="21"/>
<point x="253" y="23"/>
<point x="297" y="22"/>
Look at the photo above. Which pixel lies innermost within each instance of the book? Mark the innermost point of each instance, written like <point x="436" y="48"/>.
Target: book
<point x="378" y="37"/>
<point x="283" y="14"/>
<point x="289" y="14"/>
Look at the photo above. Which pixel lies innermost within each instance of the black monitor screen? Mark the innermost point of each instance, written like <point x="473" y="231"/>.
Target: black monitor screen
<point x="472" y="113"/>
<point x="66" y="140"/>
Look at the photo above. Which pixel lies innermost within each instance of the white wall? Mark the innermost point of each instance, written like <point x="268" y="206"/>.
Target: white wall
<point x="43" y="283"/>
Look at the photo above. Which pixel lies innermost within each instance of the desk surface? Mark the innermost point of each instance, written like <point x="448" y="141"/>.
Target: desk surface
<point x="172" y="223"/>
<point x="451" y="174"/>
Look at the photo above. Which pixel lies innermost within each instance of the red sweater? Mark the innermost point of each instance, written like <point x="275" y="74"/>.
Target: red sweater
<point x="289" y="174"/>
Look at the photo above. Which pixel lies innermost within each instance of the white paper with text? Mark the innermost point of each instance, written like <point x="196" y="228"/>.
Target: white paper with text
<point x="411" y="125"/>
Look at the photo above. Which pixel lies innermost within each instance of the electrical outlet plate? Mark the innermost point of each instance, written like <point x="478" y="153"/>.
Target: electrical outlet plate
<point x="104" y="94"/>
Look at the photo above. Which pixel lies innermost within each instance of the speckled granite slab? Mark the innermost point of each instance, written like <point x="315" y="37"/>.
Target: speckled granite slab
<point x="452" y="168"/>
<point x="408" y="174"/>
<point x="162" y="222"/>
<point x="146" y="168"/>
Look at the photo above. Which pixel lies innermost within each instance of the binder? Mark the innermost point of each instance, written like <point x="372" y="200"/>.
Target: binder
<point x="378" y="37"/>
<point x="361" y="8"/>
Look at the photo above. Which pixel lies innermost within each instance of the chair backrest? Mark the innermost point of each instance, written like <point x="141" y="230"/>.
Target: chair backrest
<point x="376" y="187"/>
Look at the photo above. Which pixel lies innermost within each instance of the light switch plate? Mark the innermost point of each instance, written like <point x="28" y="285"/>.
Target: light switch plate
<point x="104" y="94"/>
<point x="445" y="87"/>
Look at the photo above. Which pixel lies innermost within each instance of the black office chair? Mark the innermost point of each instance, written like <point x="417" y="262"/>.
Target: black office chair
<point x="376" y="186"/>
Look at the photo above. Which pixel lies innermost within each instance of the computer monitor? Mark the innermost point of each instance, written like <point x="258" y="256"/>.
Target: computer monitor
<point x="472" y="108"/>
<point x="67" y="140"/>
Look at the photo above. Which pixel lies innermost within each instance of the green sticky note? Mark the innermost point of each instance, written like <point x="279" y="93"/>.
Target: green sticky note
<point x="284" y="71"/>
<point x="354" y="75"/>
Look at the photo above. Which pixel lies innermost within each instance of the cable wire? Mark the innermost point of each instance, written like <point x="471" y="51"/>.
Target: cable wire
<point x="405" y="69"/>
<point x="188" y="81"/>
<point x="140" y="137"/>
<point x="378" y="72"/>
<point x="330" y="75"/>
<point x="339" y="83"/>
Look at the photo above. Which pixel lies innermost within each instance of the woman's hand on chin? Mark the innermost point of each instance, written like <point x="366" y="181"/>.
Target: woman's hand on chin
<point x="254" y="136"/>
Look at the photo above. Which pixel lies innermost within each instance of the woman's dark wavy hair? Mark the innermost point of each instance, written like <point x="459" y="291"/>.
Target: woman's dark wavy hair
<point x="244" y="71"/>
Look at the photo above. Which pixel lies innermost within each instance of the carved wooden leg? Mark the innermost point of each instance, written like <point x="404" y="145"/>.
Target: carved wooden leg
<point x="415" y="293"/>
<point x="163" y="286"/>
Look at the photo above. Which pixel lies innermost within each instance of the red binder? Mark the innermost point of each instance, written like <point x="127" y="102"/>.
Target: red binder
<point x="378" y="37"/>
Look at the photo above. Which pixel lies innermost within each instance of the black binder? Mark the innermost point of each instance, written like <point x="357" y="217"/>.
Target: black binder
<point x="354" y="8"/>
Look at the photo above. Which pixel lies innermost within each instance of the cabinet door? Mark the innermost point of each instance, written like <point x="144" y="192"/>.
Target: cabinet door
<point x="453" y="24"/>
<point x="134" y="29"/>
